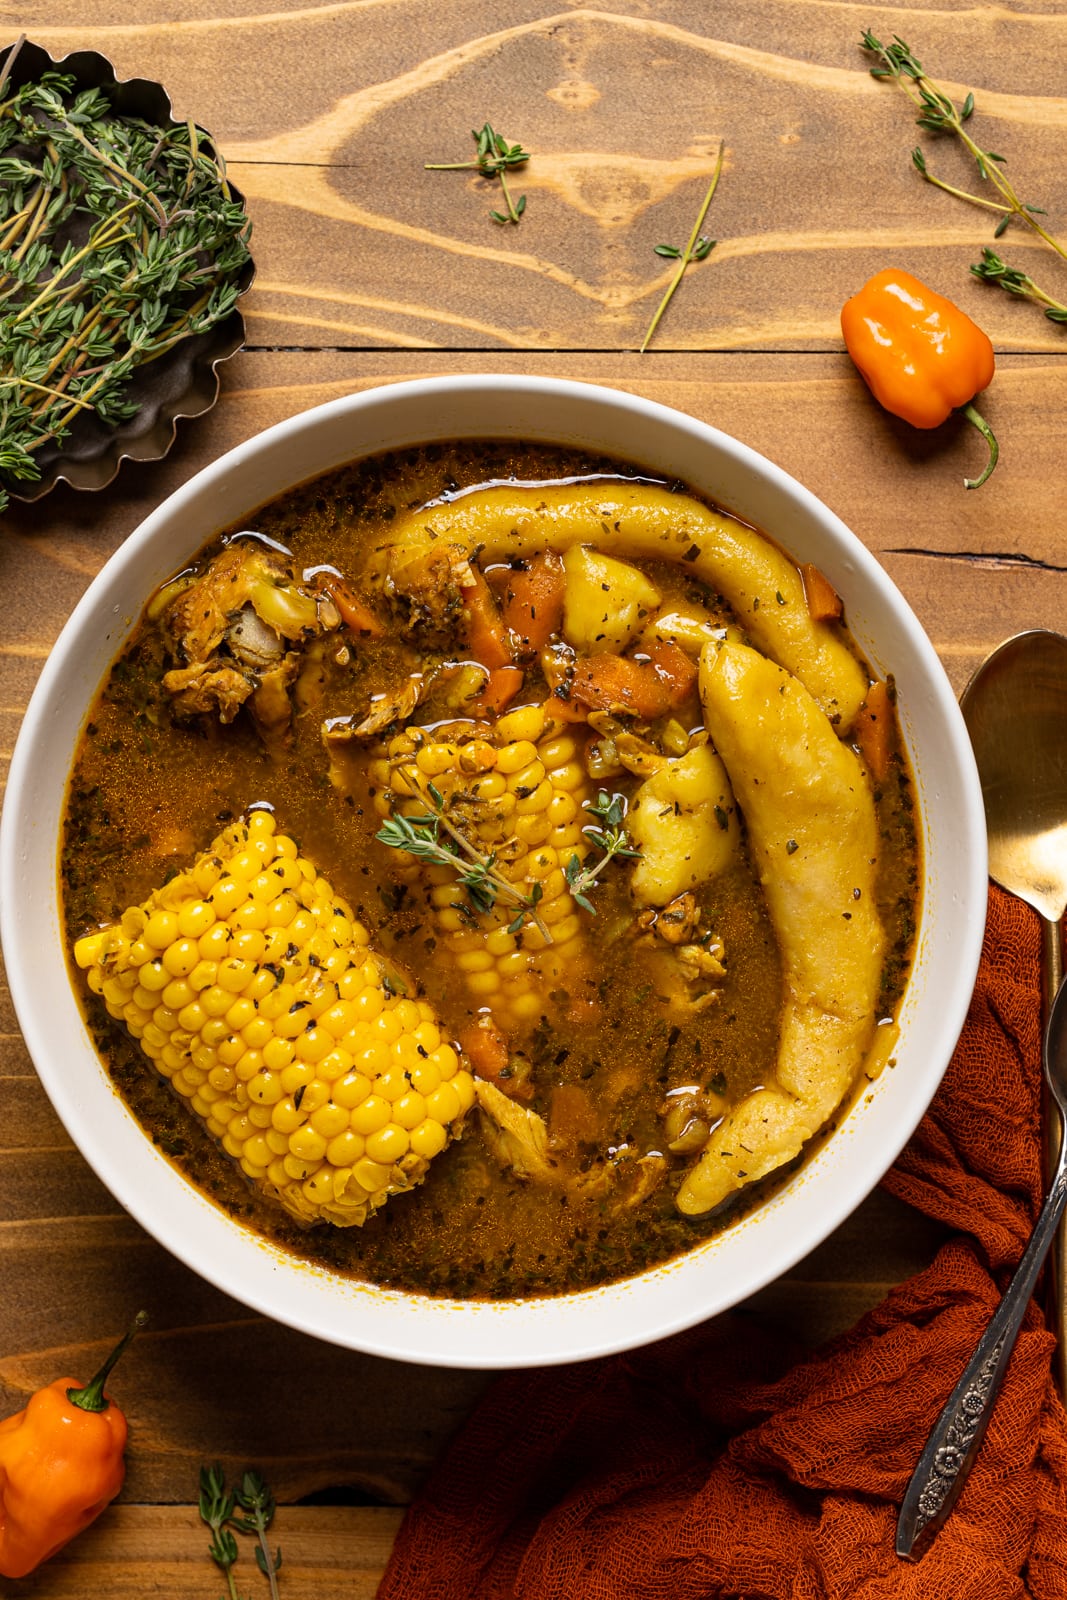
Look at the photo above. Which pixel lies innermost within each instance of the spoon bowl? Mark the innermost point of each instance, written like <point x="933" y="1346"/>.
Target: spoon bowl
<point x="1015" y="708"/>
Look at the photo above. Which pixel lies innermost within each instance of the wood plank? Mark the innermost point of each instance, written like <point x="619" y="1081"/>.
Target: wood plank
<point x="132" y="1551"/>
<point x="327" y="115"/>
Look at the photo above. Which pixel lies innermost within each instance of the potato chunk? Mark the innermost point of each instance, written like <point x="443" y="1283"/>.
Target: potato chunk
<point x="605" y="601"/>
<point x="684" y="822"/>
<point x="814" y="840"/>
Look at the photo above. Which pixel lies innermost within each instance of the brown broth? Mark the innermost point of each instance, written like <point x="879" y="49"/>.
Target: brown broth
<point x="148" y="792"/>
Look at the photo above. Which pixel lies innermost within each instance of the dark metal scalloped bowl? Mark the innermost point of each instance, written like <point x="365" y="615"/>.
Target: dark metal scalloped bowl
<point x="182" y="383"/>
<point x="726" y="1268"/>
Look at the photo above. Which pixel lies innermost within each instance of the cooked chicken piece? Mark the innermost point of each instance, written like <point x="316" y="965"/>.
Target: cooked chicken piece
<point x="205" y="688"/>
<point x="620" y="749"/>
<point x="676" y="923"/>
<point x="238" y="630"/>
<point x="520" y="1139"/>
<point x="517" y="1136"/>
<point x="384" y="711"/>
<point x="624" y="1180"/>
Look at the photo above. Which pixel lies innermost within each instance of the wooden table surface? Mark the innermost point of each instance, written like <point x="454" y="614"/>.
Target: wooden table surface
<point x="371" y="270"/>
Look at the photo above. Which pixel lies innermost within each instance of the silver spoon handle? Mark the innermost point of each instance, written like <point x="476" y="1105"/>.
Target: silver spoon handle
<point x="952" y="1446"/>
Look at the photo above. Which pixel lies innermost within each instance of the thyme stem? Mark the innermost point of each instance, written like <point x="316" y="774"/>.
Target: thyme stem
<point x="687" y="255"/>
<point x="939" y="113"/>
<point x="492" y="159"/>
<point x="483" y="884"/>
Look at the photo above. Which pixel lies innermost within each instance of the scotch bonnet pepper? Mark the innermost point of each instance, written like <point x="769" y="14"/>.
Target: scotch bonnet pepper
<point x="61" y="1463"/>
<point x="921" y="356"/>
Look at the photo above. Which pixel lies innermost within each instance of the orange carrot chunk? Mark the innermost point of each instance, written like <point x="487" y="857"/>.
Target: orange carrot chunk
<point x="873" y="730"/>
<point x="647" y="689"/>
<point x="487" y="636"/>
<point x="356" y="615"/>
<point x="532" y="599"/>
<point x="677" y="671"/>
<point x="486" y="1049"/>
<point x="824" y="602"/>
<point x="498" y="691"/>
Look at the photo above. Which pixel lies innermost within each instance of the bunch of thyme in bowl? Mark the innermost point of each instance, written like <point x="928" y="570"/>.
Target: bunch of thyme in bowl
<point x="118" y="240"/>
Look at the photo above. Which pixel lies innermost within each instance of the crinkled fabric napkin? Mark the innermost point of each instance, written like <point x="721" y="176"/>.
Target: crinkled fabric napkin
<point x="716" y="1464"/>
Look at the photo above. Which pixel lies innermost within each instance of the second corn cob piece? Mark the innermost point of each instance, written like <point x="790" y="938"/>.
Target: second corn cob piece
<point x="516" y="792"/>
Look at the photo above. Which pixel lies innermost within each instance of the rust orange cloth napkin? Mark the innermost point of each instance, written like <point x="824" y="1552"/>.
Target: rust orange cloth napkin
<point x="718" y="1464"/>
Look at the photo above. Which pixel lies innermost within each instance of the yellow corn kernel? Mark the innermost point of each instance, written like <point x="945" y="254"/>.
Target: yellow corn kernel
<point x="557" y="752"/>
<point x="251" y="986"/>
<point x="533" y="829"/>
<point x="516" y="757"/>
<point x="525" y="722"/>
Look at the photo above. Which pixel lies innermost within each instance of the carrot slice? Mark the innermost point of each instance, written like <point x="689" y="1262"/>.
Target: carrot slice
<point x="486" y="1049"/>
<point x="647" y="689"/>
<point x="824" y="602"/>
<point x="532" y="599"/>
<point x="873" y="730"/>
<point x="498" y="690"/>
<point x="487" y="637"/>
<point x="675" y="669"/>
<point x="354" y="612"/>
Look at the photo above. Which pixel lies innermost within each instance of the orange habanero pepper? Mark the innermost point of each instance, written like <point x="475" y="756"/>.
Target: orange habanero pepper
<point x="921" y="356"/>
<point x="61" y="1463"/>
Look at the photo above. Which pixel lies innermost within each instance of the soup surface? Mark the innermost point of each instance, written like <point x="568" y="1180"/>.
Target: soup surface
<point x="484" y="689"/>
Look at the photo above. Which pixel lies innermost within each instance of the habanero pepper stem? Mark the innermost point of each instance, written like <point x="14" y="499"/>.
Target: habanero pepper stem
<point x="921" y="356"/>
<point x="61" y="1463"/>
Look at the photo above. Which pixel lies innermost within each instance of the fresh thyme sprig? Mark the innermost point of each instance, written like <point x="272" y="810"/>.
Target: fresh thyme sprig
<point x="476" y="872"/>
<point x="218" y="1509"/>
<point x="118" y="239"/>
<point x="698" y="249"/>
<point x="991" y="269"/>
<point x="939" y="113"/>
<point x="610" y="838"/>
<point x="493" y="159"/>
<point x="256" y="1499"/>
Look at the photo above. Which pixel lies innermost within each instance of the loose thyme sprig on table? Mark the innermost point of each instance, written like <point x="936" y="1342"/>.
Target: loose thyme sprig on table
<point x="256" y="1499"/>
<point x="939" y="113"/>
<point x="476" y="872"/>
<point x="698" y="249"/>
<point x="610" y="838"/>
<point x="493" y="158"/>
<point x="218" y="1509"/>
<point x="118" y="239"/>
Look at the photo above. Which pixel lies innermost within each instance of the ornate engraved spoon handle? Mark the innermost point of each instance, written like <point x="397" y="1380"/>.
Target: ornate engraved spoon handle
<point x="952" y="1446"/>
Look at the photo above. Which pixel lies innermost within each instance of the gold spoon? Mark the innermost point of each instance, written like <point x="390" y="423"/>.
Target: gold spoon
<point x="1015" y="708"/>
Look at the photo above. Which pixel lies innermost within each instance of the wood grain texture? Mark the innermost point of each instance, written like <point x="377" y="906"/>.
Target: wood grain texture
<point x="370" y="271"/>
<point x="328" y="113"/>
<point x="134" y="1551"/>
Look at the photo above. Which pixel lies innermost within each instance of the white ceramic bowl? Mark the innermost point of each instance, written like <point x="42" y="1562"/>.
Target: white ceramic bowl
<point x="715" y="1275"/>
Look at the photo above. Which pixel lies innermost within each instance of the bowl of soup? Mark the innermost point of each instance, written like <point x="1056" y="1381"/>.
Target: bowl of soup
<point x="493" y="872"/>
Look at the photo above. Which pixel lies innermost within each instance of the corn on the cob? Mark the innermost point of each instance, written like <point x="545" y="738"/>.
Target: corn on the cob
<point x="516" y="794"/>
<point x="252" y="987"/>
